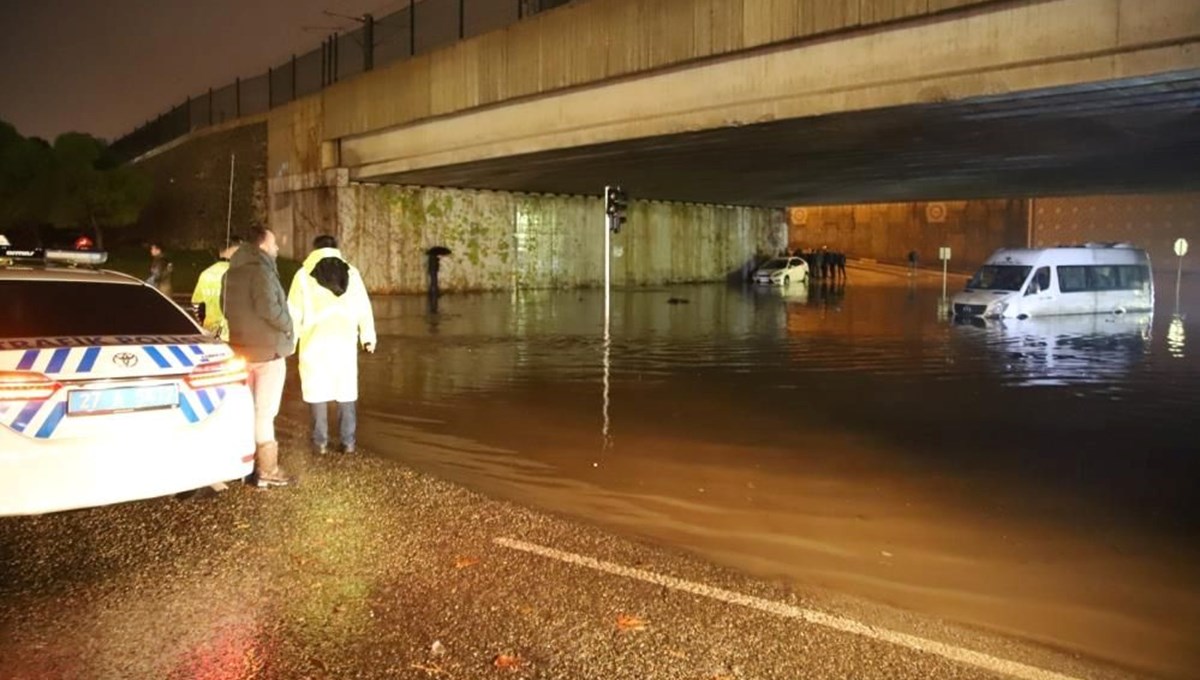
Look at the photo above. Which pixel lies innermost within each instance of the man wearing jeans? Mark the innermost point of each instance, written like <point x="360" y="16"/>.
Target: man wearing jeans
<point x="333" y="316"/>
<point x="260" y="330"/>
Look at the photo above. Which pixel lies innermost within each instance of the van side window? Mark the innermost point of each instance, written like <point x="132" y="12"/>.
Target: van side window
<point x="1072" y="279"/>
<point x="1134" y="277"/>
<point x="1079" y="278"/>
<point x="1040" y="281"/>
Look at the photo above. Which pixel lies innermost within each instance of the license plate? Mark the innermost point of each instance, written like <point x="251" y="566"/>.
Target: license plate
<point x="113" y="399"/>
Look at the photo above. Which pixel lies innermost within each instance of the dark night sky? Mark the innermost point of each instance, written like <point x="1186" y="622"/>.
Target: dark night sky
<point x="105" y="66"/>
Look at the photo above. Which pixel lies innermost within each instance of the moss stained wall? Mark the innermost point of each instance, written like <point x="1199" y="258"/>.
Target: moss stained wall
<point x="503" y="240"/>
<point x="190" y="201"/>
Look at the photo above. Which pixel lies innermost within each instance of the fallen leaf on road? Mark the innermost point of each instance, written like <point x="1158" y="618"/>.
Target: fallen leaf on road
<point x="430" y="669"/>
<point x="630" y="622"/>
<point x="509" y="661"/>
<point x="463" y="562"/>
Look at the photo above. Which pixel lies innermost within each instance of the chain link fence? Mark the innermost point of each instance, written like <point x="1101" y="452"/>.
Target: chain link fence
<point x="422" y="26"/>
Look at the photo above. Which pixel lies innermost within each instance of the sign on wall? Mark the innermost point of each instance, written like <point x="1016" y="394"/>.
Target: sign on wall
<point x="798" y="215"/>
<point x="935" y="213"/>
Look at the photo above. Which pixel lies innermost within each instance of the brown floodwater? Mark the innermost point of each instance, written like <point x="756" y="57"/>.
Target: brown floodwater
<point x="1033" y="478"/>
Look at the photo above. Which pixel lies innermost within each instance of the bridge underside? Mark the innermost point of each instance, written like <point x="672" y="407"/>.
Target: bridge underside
<point x="1133" y="135"/>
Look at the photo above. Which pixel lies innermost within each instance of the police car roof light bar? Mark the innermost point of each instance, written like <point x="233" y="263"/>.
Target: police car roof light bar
<point x="90" y="258"/>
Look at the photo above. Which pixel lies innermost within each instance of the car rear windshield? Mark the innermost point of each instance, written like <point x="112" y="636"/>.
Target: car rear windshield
<point x="37" y="309"/>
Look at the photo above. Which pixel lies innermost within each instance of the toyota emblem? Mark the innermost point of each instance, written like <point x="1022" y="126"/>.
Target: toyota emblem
<point x="126" y="359"/>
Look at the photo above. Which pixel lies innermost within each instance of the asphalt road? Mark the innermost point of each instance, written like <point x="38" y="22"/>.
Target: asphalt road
<point x="368" y="569"/>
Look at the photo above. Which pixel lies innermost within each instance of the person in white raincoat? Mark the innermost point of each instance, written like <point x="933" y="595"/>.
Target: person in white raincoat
<point x="332" y="314"/>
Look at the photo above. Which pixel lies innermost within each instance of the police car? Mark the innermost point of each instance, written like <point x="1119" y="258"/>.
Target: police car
<point x="109" y="392"/>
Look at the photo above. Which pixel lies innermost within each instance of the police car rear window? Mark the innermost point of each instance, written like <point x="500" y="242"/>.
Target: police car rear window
<point x="33" y="309"/>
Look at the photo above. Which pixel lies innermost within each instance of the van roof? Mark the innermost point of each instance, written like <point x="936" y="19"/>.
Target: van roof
<point x="1122" y="253"/>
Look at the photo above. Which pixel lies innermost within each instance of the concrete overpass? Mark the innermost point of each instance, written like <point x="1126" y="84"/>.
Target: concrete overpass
<point x="793" y="101"/>
<point x="497" y="146"/>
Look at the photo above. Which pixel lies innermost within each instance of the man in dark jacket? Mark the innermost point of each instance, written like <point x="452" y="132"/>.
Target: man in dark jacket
<point x="260" y="330"/>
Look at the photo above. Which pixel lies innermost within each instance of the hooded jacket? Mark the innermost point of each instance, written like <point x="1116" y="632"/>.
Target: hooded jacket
<point x="256" y="310"/>
<point x="329" y="303"/>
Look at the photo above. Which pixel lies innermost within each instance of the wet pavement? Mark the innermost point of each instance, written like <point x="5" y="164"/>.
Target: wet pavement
<point x="369" y="569"/>
<point x="1036" y="479"/>
<point x="864" y="469"/>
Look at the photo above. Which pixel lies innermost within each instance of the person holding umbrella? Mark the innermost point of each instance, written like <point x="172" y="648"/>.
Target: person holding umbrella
<point x="432" y="265"/>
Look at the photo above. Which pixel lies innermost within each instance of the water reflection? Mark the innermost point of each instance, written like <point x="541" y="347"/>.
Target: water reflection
<point x="1176" y="337"/>
<point x="1031" y="476"/>
<point x="1065" y="350"/>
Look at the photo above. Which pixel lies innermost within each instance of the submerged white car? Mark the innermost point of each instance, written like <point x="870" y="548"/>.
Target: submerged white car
<point x="782" y="271"/>
<point x="109" y="392"/>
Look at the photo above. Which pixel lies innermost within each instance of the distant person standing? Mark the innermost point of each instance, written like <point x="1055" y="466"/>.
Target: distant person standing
<point x="912" y="263"/>
<point x="332" y="312"/>
<point x="208" y="291"/>
<point x="260" y="329"/>
<point x="433" y="264"/>
<point x="841" y="265"/>
<point x="160" y="270"/>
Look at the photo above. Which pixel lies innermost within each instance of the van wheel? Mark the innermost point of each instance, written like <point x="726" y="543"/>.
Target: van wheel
<point x="1022" y="317"/>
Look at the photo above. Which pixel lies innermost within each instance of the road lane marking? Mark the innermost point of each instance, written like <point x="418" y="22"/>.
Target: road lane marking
<point x="957" y="654"/>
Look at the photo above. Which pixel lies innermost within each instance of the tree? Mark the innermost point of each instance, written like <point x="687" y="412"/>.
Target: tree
<point x="26" y="179"/>
<point x="92" y="187"/>
<point x="76" y="182"/>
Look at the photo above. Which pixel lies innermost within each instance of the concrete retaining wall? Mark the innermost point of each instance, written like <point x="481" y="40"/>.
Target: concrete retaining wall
<point x="887" y="231"/>
<point x="1152" y="222"/>
<point x="190" y="200"/>
<point x="504" y="241"/>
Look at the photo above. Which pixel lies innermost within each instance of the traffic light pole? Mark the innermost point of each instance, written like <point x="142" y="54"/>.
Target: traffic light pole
<point x="607" y="315"/>
<point x="607" y="267"/>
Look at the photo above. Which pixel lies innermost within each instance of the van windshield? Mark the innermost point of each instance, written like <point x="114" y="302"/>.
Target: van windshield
<point x="999" y="277"/>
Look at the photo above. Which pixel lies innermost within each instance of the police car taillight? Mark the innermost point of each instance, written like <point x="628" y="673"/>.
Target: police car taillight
<point x="219" y="373"/>
<point x="22" y="386"/>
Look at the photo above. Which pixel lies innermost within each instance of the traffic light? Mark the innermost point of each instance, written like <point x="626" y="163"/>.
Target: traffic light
<point x="616" y="203"/>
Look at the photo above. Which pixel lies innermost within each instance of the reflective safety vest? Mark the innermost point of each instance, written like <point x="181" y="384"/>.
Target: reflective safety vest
<point x="208" y="291"/>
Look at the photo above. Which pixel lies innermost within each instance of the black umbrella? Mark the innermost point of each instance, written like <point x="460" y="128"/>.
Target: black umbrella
<point x="439" y="251"/>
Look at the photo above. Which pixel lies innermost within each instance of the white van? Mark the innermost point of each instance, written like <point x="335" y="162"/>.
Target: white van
<point x="1089" y="279"/>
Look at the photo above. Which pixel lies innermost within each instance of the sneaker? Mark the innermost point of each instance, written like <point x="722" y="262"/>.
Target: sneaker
<point x="321" y="449"/>
<point x="348" y="449"/>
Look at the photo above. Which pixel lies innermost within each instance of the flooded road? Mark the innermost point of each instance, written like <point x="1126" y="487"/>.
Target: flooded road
<point x="1036" y="478"/>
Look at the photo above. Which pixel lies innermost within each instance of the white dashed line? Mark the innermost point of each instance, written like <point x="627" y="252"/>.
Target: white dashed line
<point x="958" y="654"/>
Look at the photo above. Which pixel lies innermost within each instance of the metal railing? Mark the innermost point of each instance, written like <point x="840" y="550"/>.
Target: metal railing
<point x="420" y="27"/>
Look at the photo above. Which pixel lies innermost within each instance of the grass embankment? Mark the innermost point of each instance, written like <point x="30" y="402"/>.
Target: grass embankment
<point x="187" y="265"/>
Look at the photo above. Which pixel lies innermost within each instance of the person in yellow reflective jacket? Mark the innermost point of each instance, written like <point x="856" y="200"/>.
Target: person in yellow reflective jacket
<point x="208" y="291"/>
<point x="332" y="315"/>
